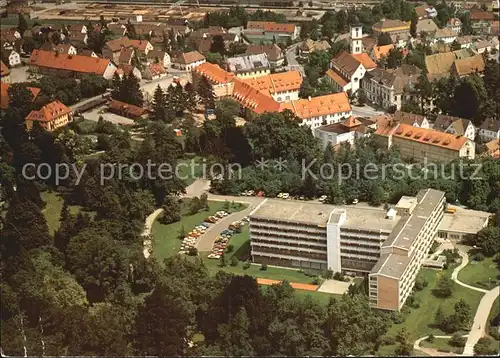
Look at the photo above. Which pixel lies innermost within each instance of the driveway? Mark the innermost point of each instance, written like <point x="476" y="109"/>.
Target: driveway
<point x="365" y="111"/>
<point x="95" y="113"/>
<point x="292" y="62"/>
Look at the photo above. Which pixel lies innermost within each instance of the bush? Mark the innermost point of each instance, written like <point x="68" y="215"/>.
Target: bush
<point x="485" y="346"/>
<point x="328" y="274"/>
<point x="229" y="248"/>
<point x="193" y="251"/>
<point x="339" y="276"/>
<point x="478" y="257"/>
<point x="316" y="281"/>
<point x="310" y="273"/>
<point x="444" y="288"/>
<point x="234" y="261"/>
<point x="246" y="265"/>
<point x="457" y="340"/>
<point x="420" y="284"/>
<point x="431" y="338"/>
<point x="397" y="317"/>
<point x="263" y="267"/>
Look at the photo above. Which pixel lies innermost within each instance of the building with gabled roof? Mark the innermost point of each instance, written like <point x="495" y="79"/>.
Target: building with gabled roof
<point x="346" y="131"/>
<point x="455" y="125"/>
<point x="273" y="52"/>
<point x="391" y="27"/>
<point x="493" y="148"/>
<point x="271" y="31"/>
<point x="489" y="129"/>
<point x="426" y="145"/>
<point x="411" y="119"/>
<point x="126" y="109"/>
<point x="381" y="51"/>
<point x="112" y="49"/>
<point x="249" y="66"/>
<point x="282" y="86"/>
<point x="51" y="116"/>
<point x="70" y="65"/>
<point x="188" y="61"/>
<point x="468" y="66"/>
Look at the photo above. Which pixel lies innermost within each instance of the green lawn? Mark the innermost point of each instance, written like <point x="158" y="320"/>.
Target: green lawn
<point x="52" y="210"/>
<point x="479" y="273"/>
<point x="419" y="322"/>
<point x="166" y="242"/>
<point x="442" y="344"/>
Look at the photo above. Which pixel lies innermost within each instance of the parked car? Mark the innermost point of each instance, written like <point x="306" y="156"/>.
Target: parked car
<point x="322" y="198"/>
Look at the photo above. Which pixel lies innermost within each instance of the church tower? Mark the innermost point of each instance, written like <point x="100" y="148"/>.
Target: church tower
<point x="355" y="38"/>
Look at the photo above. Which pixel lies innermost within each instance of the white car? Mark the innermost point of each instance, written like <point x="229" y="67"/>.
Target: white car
<point x="355" y="201"/>
<point x="251" y="193"/>
<point x="285" y="196"/>
<point x="280" y="195"/>
<point x="323" y="197"/>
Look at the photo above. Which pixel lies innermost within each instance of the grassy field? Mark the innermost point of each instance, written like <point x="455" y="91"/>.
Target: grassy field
<point x="166" y="242"/>
<point x="420" y="321"/>
<point x="479" y="273"/>
<point x="442" y="344"/>
<point x="191" y="169"/>
<point x="52" y="210"/>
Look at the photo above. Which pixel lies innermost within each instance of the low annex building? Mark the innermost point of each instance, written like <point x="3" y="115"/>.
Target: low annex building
<point x="249" y="66"/>
<point x="273" y="52"/>
<point x="188" y="61"/>
<point x="51" y="116"/>
<point x="271" y="31"/>
<point x="346" y="131"/>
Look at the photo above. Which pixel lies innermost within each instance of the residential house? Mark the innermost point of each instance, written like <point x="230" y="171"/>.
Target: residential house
<point x="482" y="46"/>
<point x="154" y="71"/>
<point x="77" y="28"/>
<point x="271" y="31"/>
<point x="318" y="111"/>
<point x="126" y="56"/>
<point x="51" y="116"/>
<point x="48" y="62"/>
<point x="282" y="87"/>
<point x="401" y="40"/>
<point x="4" y="94"/>
<point x="493" y="148"/>
<point x="465" y="41"/>
<point x="11" y="57"/>
<point x="125" y="69"/>
<point x="391" y="88"/>
<point x="489" y="130"/>
<point x="427" y="26"/>
<point x="4" y="73"/>
<point x="117" y="29"/>
<point x="78" y="39"/>
<point x="309" y="46"/>
<point x="481" y="21"/>
<point x="347" y="69"/>
<point x="67" y="49"/>
<point x="425" y="11"/>
<point x="188" y="61"/>
<point x="346" y="131"/>
<point x="380" y="51"/>
<point x="249" y="66"/>
<point x="273" y="52"/>
<point x="440" y="65"/>
<point x="446" y="36"/>
<point x="455" y="25"/>
<point x="468" y="66"/>
<point x="86" y="52"/>
<point x="391" y="27"/>
<point x="157" y="56"/>
<point x="112" y="48"/>
<point x="455" y="125"/>
<point x="425" y="145"/>
<point x="414" y="120"/>
<point x="222" y="81"/>
<point x="126" y="109"/>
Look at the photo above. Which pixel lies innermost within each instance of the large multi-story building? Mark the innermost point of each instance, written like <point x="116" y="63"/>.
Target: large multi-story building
<point x="392" y="279"/>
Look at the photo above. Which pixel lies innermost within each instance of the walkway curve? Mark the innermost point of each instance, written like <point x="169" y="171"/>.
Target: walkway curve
<point x="147" y="244"/>
<point x="479" y="324"/>
<point x="431" y="351"/>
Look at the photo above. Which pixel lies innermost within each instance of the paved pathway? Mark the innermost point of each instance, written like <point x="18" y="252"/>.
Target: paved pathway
<point x="147" y="232"/>
<point x="431" y="351"/>
<point x="480" y="319"/>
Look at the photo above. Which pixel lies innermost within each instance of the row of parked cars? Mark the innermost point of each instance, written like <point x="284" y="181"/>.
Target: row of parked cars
<point x="191" y="238"/>
<point x="223" y="239"/>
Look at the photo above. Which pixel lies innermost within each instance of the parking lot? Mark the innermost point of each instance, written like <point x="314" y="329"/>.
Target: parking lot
<point x="94" y="115"/>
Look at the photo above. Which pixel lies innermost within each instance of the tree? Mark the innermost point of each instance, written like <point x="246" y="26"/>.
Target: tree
<point x="413" y="24"/>
<point x="394" y="58"/>
<point x="206" y="93"/>
<point x="234" y="261"/>
<point x="362" y="98"/>
<point x="218" y="45"/>
<point x="214" y="57"/>
<point x="384" y="39"/>
<point x="159" y="111"/>
<point x="22" y="24"/>
<point x="424" y="90"/>
<point x="222" y="260"/>
<point x="444" y="287"/>
<point x="236" y="335"/>
<point x="487" y="240"/>
<point x="171" y="211"/>
<point x="462" y="315"/>
<point x="485" y="346"/>
<point x="469" y="99"/>
<point x="455" y="46"/>
<point x="131" y="90"/>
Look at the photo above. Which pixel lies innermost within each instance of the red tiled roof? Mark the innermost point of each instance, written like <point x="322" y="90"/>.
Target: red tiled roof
<point x="214" y="73"/>
<point x="75" y="63"/>
<point x="126" y="109"/>
<point x="254" y="99"/>
<point x="481" y="15"/>
<point x="4" y="70"/>
<point x="379" y="51"/>
<point x="336" y="78"/>
<point x="4" y="94"/>
<point x="49" y="112"/>
<point x="365" y="60"/>
<point x="318" y="106"/>
<point x="271" y="26"/>
<point x="117" y="44"/>
<point x="156" y="69"/>
<point x="276" y="82"/>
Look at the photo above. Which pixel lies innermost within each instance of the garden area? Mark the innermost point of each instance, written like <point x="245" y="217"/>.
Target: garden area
<point x="483" y="274"/>
<point x="52" y="210"/>
<point x="425" y="312"/>
<point x="445" y="344"/>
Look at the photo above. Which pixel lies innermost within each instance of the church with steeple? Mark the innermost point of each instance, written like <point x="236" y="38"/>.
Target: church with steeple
<point x="347" y="69"/>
